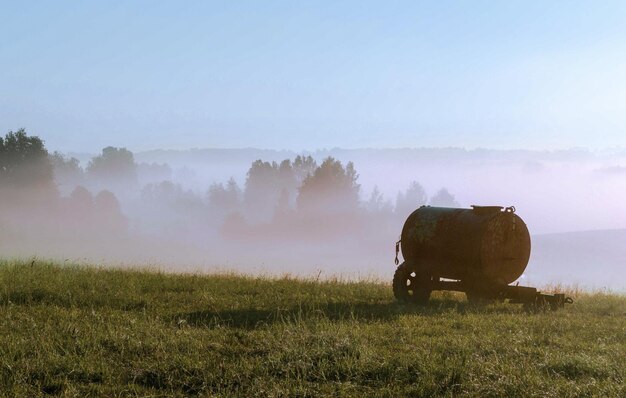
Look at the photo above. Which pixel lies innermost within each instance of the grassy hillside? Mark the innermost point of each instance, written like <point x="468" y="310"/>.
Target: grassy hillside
<point x="79" y="331"/>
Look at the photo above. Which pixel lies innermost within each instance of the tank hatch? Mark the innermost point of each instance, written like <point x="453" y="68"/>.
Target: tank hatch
<point x="487" y="209"/>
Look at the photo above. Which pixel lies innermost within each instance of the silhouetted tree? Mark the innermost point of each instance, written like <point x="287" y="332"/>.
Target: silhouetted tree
<point x="330" y="189"/>
<point x="109" y="214"/>
<point x="24" y="162"/>
<point x="413" y="198"/>
<point x="82" y="199"/>
<point x="303" y="167"/>
<point x="377" y="205"/>
<point x="273" y="186"/>
<point x="67" y="172"/>
<point x="288" y="181"/>
<point x="79" y="214"/>
<point x="443" y="198"/>
<point x="225" y="199"/>
<point x="284" y="210"/>
<point x="262" y="190"/>
<point x="115" y="168"/>
<point x="166" y="194"/>
<point x="233" y="190"/>
<point x="106" y="202"/>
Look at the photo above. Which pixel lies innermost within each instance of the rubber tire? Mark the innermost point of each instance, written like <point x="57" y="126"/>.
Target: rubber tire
<point x="420" y="293"/>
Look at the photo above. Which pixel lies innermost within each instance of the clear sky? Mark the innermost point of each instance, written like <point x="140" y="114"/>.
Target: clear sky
<point x="314" y="74"/>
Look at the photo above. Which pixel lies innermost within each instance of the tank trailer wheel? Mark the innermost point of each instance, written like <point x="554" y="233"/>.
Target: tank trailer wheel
<point x="410" y="284"/>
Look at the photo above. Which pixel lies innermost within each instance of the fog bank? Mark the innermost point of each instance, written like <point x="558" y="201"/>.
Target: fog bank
<point x="324" y="213"/>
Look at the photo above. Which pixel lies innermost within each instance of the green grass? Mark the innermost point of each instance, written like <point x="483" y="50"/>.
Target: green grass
<point x="81" y="331"/>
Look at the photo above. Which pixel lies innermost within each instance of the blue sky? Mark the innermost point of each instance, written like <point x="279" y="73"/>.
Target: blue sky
<point x="313" y="74"/>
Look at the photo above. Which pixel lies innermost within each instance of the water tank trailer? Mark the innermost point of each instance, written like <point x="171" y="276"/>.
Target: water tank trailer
<point x="478" y="251"/>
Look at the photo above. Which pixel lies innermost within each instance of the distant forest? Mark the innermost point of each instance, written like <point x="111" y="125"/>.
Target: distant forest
<point x="340" y="211"/>
<point x="293" y="198"/>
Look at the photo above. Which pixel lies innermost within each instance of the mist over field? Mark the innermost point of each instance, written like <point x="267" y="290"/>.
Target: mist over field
<point x="321" y="213"/>
<point x="207" y="198"/>
<point x="297" y="138"/>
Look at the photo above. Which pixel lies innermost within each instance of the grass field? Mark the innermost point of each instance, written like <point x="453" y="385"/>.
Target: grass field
<point x="83" y="331"/>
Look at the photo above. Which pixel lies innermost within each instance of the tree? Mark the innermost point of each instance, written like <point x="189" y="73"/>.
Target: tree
<point x="106" y="203"/>
<point x="225" y="199"/>
<point x="67" y="172"/>
<point x="272" y="187"/>
<point x="283" y="208"/>
<point x="108" y="211"/>
<point x="167" y="195"/>
<point x="233" y="190"/>
<point x="443" y="198"/>
<point x="330" y="189"/>
<point x="262" y="190"/>
<point x="81" y="199"/>
<point x="377" y="205"/>
<point x="288" y="182"/>
<point x="413" y="198"/>
<point x="115" y="168"/>
<point x="303" y="167"/>
<point x="24" y="162"/>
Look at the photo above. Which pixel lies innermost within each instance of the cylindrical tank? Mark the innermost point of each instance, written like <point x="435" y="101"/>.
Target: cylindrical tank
<point x="484" y="244"/>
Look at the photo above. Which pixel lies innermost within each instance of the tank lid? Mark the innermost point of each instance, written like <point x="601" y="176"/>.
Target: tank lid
<point x="487" y="209"/>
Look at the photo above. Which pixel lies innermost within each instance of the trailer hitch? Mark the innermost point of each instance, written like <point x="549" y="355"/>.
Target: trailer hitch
<point x="544" y="302"/>
<point x="397" y="251"/>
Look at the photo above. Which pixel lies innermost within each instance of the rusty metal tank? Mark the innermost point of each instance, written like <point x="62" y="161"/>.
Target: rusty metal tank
<point x="481" y="245"/>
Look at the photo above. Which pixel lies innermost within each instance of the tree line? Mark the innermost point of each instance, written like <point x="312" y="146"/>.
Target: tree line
<point x="291" y="196"/>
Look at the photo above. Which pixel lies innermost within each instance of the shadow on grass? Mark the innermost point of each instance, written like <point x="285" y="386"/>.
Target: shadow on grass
<point x="39" y="296"/>
<point x="250" y="318"/>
